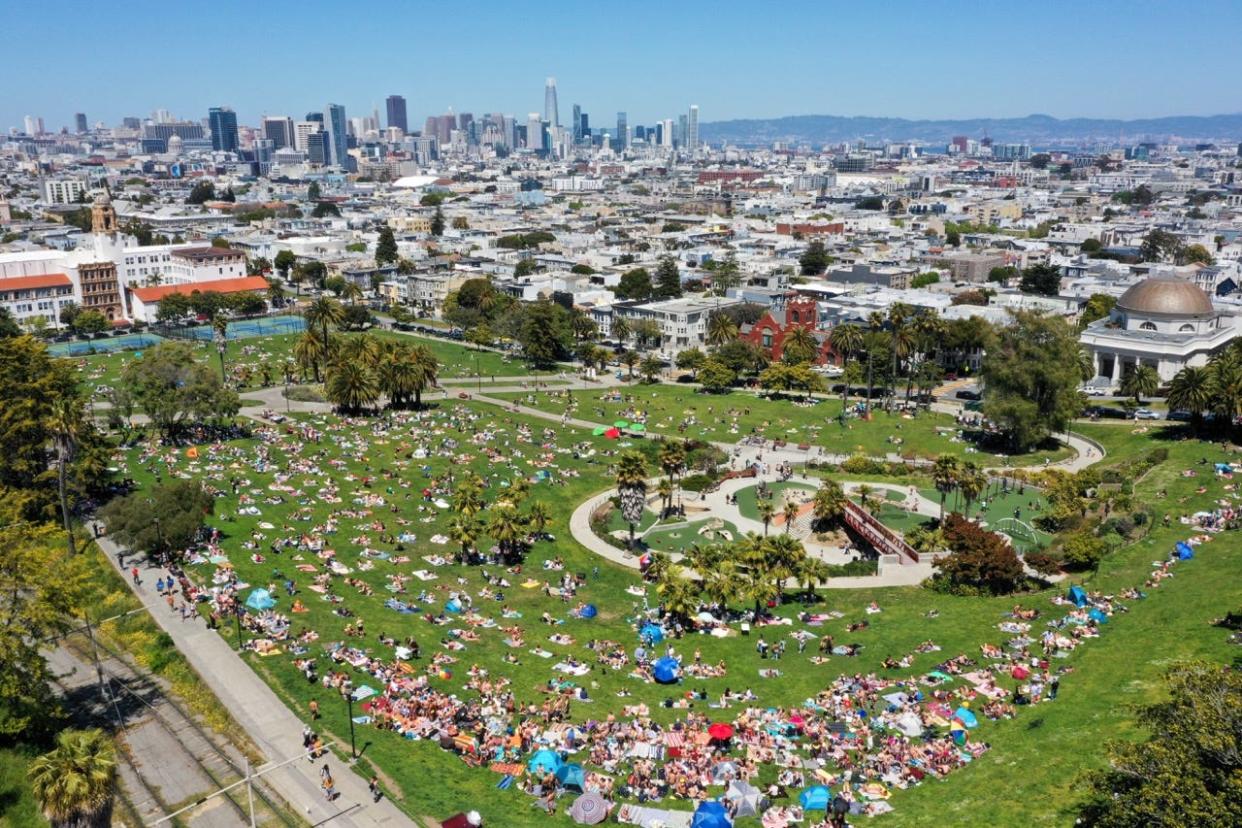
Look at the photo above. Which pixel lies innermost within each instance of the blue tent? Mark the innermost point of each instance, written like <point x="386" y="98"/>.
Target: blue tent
<point x="665" y="670"/>
<point x="711" y="814"/>
<point x="544" y="761"/>
<point x="1097" y="616"/>
<point x="652" y="633"/>
<point x="260" y="599"/>
<point x="815" y="798"/>
<point x="453" y="606"/>
<point x="1078" y="595"/>
<point x="589" y="611"/>
<point x="964" y="716"/>
<point x="570" y="775"/>
<point x="1184" y="551"/>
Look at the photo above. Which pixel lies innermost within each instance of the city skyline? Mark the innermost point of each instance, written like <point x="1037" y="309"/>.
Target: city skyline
<point x="972" y="60"/>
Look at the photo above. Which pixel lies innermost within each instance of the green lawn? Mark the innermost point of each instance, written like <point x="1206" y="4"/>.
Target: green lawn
<point x="678" y="410"/>
<point x="681" y="538"/>
<point x="1035" y="759"/>
<point x="747" y="498"/>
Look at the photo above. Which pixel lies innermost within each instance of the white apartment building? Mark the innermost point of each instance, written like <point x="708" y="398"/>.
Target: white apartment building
<point x="63" y="190"/>
<point x="683" y="322"/>
<point x="27" y="297"/>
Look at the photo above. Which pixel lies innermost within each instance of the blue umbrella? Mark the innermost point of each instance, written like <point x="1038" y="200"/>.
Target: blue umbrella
<point x="815" y="798"/>
<point x="453" y="606"/>
<point x="544" y="761"/>
<point x="570" y="775"/>
<point x="966" y="717"/>
<point x="710" y="814"/>
<point x="653" y="633"/>
<point x="1097" y="616"/>
<point x="589" y="611"/>
<point x="1184" y="551"/>
<point x="665" y="670"/>
<point x="260" y="599"/>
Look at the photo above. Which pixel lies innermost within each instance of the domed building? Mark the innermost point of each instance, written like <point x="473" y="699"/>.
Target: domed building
<point x="1163" y="321"/>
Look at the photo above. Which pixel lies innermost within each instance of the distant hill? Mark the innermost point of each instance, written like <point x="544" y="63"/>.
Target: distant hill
<point x="1033" y="129"/>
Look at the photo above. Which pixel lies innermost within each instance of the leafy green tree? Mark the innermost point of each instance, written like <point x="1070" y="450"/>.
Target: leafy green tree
<point x="1002" y="274"/>
<point x="524" y="267"/>
<point x="1188" y="772"/>
<point x="1098" y="306"/>
<point x="1091" y="245"/>
<point x="726" y="275"/>
<point x="8" y="325"/>
<point x="691" y="360"/>
<point x="716" y="377"/>
<point x="1082" y="550"/>
<point x="386" y="248"/>
<point x="172" y="388"/>
<point x="314" y="192"/>
<point x="90" y="322"/>
<point x="635" y="284"/>
<point x="1041" y="279"/>
<point x="931" y="277"/>
<point x="545" y="333"/>
<point x="76" y="782"/>
<point x="202" y="192"/>
<point x="781" y="377"/>
<point x="1197" y="254"/>
<point x="284" y="262"/>
<point x="313" y="271"/>
<point x="582" y="270"/>
<point x="828" y="507"/>
<point x="1031" y="378"/>
<point x="437" y="222"/>
<point x="181" y="507"/>
<point x="668" y="279"/>
<point x="1160" y="245"/>
<point x="324" y="209"/>
<point x="42" y="588"/>
<point x="815" y="259"/>
<point x="650" y="368"/>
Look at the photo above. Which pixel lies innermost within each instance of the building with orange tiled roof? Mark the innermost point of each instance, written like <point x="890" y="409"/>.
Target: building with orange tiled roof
<point x="144" y="301"/>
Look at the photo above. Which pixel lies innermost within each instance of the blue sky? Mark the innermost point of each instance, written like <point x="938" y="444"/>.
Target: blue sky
<point x="943" y="59"/>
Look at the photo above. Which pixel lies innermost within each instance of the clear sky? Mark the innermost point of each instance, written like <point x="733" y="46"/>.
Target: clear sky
<point x="766" y="58"/>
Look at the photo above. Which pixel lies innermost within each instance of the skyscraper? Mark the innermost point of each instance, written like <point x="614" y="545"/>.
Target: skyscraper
<point x="279" y="130"/>
<point x="34" y="125"/>
<point x="396" y="113"/>
<point x="680" y="137"/>
<point x="223" y="124"/>
<point x="692" y="129"/>
<point x="576" y="126"/>
<point x="317" y="148"/>
<point x="79" y="121"/>
<point x="534" y="132"/>
<point x="336" y="125"/>
<point x="550" y="113"/>
<point x="622" y="140"/>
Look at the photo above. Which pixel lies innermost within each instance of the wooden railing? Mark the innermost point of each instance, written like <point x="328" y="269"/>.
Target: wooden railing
<point x="884" y="540"/>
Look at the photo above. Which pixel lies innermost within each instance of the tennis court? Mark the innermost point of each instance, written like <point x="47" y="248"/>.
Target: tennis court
<point x="247" y="328"/>
<point x="105" y="346"/>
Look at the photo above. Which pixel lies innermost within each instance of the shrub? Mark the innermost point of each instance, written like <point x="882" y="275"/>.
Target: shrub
<point x="698" y="482"/>
<point x="980" y="563"/>
<point x="1082" y="550"/>
<point x="1042" y="562"/>
<point x="861" y="464"/>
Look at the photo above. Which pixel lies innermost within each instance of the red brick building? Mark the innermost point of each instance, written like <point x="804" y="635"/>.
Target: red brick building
<point x="807" y="228"/>
<point x="770" y="331"/>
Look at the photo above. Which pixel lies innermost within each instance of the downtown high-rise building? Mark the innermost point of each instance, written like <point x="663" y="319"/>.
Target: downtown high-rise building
<point x="279" y="130"/>
<point x="534" y="132"/>
<point x="337" y="126"/>
<point x="222" y="122"/>
<point x="79" y="122"/>
<point x="33" y="125"/>
<point x="692" y="129"/>
<point x="550" y="113"/>
<point x="576" y="126"/>
<point x="396" y="113"/>
<point x="622" y="139"/>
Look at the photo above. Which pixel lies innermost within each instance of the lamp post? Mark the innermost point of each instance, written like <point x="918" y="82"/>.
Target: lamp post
<point x="238" y="611"/>
<point x="221" y="345"/>
<point x="478" y="374"/>
<point x="348" y="696"/>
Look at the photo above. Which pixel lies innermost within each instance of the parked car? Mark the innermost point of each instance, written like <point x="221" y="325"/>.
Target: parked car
<point x="1094" y="391"/>
<point x="1146" y="414"/>
<point x="969" y="394"/>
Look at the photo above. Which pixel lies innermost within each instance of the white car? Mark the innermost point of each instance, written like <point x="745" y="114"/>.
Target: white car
<point x="1095" y="391"/>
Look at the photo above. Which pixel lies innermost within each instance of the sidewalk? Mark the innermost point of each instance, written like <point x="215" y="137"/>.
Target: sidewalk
<point x="274" y="729"/>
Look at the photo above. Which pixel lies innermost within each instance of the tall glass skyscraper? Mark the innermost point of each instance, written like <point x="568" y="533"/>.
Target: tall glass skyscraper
<point x="692" y="129"/>
<point x="335" y="125"/>
<point x="223" y="124"/>
<point x="550" y="113"/>
<point x="623" y="132"/>
<point x="396" y="113"/>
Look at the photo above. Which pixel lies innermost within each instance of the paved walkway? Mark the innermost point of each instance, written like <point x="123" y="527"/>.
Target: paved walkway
<point x="274" y="729"/>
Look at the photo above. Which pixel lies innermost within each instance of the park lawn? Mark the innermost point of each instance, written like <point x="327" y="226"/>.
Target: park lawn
<point x="1036" y="757"/>
<point x="683" y="537"/>
<point x="675" y="410"/>
<point x="747" y="498"/>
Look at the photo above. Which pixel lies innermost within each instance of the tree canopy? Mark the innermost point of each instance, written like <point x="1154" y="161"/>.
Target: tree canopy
<point x="173" y="388"/>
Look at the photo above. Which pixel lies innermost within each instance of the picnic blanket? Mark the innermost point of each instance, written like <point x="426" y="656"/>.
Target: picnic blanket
<point x="652" y="817"/>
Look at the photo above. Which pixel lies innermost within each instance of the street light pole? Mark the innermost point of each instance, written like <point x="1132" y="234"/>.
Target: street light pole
<point x="349" y="702"/>
<point x="221" y="345"/>
<point x="477" y="372"/>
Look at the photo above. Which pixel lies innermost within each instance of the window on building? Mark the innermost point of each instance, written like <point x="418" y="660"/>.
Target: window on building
<point x="1147" y="326"/>
<point x="1187" y="328"/>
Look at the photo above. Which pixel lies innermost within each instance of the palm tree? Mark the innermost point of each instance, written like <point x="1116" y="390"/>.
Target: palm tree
<point x="929" y="331"/>
<point x="720" y="584"/>
<point x="785" y="556"/>
<point x="944" y="476"/>
<point x="875" y="325"/>
<point x="310" y="351"/>
<point x="468" y="497"/>
<point x="813" y="571"/>
<point x="352" y="292"/>
<point x="799" y="346"/>
<point x="672" y="458"/>
<point x="829" y="503"/>
<point x="629" y="359"/>
<point x="1192" y="390"/>
<point x="721" y="329"/>
<point x="538" y="516"/>
<point x="75" y="783"/>
<point x="767" y="511"/>
<point x="790" y="513"/>
<point x="464" y="530"/>
<point x="352" y="387"/>
<point x="67" y="427"/>
<point x="621" y="329"/>
<point x="506" y="527"/>
<point x="678" y="594"/>
<point x="322" y="313"/>
<point x="632" y="488"/>
<point x="755" y="585"/>
<point x="1141" y="381"/>
<point x="971" y="482"/>
<point x="665" y="490"/>
<point x="1226" y="372"/>
<point x="845" y="340"/>
<point x="901" y="338"/>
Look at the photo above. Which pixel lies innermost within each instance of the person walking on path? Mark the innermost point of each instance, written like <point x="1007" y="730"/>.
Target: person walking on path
<point x="376" y="793"/>
<point x="134" y="574"/>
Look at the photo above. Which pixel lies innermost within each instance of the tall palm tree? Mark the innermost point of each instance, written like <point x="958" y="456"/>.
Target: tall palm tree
<point x="1226" y="373"/>
<point x="799" y="346"/>
<point x="1141" y="381"/>
<point x="538" y="516"/>
<point x="845" y="340"/>
<point x="900" y="339"/>
<point x="790" y="513"/>
<point x="767" y="511"/>
<point x="67" y="426"/>
<point x="310" y="351"/>
<point x="323" y="313"/>
<point x="944" y="476"/>
<point x="75" y="783"/>
<point x="811" y="572"/>
<point x="721" y="329"/>
<point x="665" y="490"/>
<point x="427" y="369"/>
<point x="352" y="292"/>
<point x="929" y="331"/>
<point x="506" y="527"/>
<point x="1192" y="390"/>
<point x="630" y="359"/>
<point x="468" y="496"/>
<point x="678" y="594"/>
<point x="972" y="480"/>
<point x="632" y="488"/>
<point x="621" y="329"/>
<point x="720" y="584"/>
<point x="352" y="387"/>
<point x="785" y="555"/>
<point x="829" y="503"/>
<point x="464" y="531"/>
<point x="875" y="327"/>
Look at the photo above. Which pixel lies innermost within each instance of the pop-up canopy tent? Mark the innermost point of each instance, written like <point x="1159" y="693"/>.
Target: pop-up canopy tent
<point x="260" y="599"/>
<point x="710" y="814"/>
<point x="543" y="762"/>
<point x="815" y="798"/>
<point x="570" y="776"/>
<point x="652" y="633"/>
<point x="1078" y="595"/>
<point x="665" y="670"/>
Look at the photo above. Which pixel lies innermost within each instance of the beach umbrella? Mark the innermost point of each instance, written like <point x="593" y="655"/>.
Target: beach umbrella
<point x="570" y="775"/>
<point x="589" y="611"/>
<point x="621" y="424"/>
<point x="637" y="427"/>
<point x="260" y="599"/>
<point x="1097" y="616"/>
<point x="589" y="809"/>
<point x="453" y="606"/>
<point x="653" y="633"/>
<point x="612" y="434"/>
<point x="665" y="670"/>
<point x="710" y="814"/>
<point x="720" y="731"/>
<point x="746" y="798"/>
<point x="1019" y="672"/>
<point x="724" y="770"/>
<point x="598" y="431"/>
<point x="815" y="798"/>
<point x="544" y="761"/>
<point x="967" y="718"/>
